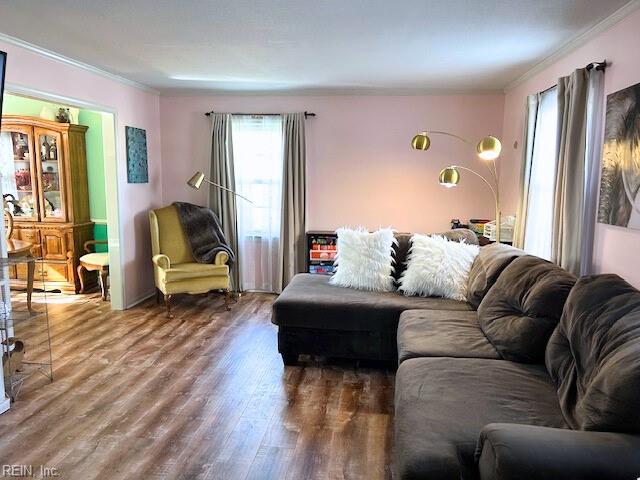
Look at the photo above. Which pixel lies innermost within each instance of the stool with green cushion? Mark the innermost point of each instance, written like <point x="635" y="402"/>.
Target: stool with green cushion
<point x="94" y="261"/>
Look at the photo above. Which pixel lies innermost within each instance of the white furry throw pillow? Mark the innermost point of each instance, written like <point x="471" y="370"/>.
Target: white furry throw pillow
<point x="437" y="267"/>
<point x="364" y="260"/>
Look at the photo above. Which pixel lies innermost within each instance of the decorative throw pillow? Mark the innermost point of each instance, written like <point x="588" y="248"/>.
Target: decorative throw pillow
<point x="364" y="260"/>
<point x="437" y="267"/>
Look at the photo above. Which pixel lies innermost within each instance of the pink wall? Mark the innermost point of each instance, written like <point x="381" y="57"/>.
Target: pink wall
<point x="361" y="168"/>
<point x="133" y="107"/>
<point x="615" y="247"/>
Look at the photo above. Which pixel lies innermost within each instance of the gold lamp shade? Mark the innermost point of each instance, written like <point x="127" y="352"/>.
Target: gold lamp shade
<point x="489" y="148"/>
<point x="196" y="180"/>
<point x="449" y="177"/>
<point x="421" y="141"/>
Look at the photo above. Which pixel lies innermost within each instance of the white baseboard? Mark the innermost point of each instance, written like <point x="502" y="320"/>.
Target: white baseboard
<point x="140" y="299"/>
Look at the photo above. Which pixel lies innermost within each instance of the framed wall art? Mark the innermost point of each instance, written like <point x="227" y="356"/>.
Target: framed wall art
<point x="137" y="168"/>
<point x="620" y="181"/>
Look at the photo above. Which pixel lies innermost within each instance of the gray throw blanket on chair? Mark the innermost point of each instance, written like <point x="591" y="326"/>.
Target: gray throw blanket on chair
<point x="204" y="232"/>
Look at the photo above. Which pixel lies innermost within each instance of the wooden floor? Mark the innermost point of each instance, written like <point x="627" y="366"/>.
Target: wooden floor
<point x="202" y="396"/>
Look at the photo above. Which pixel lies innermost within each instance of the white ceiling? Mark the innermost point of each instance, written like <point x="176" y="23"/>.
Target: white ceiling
<point x="313" y="46"/>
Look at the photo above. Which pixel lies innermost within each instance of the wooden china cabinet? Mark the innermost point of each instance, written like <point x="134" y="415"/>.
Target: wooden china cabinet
<point x="43" y="166"/>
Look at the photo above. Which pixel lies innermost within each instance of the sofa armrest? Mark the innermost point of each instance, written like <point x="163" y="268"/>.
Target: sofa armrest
<point x="162" y="261"/>
<point x="221" y="258"/>
<point x="509" y="451"/>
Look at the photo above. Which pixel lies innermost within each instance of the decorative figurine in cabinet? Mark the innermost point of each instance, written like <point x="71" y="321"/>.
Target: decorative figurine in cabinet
<point x="50" y="204"/>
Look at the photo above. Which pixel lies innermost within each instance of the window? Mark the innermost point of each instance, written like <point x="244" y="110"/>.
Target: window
<point x="539" y="222"/>
<point x="258" y="163"/>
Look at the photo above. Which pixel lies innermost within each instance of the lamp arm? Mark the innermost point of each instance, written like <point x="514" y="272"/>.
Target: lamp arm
<point x="227" y="189"/>
<point x="496" y="197"/>
<point x="493" y="190"/>
<point x="449" y="134"/>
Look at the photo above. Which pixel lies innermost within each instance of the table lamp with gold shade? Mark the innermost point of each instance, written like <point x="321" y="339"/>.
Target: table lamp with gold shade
<point x="487" y="149"/>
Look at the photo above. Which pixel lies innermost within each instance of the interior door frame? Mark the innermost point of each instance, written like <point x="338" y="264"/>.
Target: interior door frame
<point x="111" y="142"/>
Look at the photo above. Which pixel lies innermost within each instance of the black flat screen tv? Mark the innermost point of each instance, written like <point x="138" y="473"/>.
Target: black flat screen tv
<point x="3" y="66"/>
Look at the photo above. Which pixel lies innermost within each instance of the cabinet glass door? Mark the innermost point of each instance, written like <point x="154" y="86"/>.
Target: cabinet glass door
<point x="17" y="173"/>
<point x="52" y="201"/>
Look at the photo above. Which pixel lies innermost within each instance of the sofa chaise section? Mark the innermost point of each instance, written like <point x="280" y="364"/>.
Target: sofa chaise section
<point x="315" y="317"/>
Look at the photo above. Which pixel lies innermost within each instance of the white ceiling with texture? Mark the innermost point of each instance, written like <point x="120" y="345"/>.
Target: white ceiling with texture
<point x="315" y="46"/>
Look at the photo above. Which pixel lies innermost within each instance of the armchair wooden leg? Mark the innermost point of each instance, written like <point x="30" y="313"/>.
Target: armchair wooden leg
<point x="167" y="302"/>
<point x="227" y="299"/>
<point x="158" y="296"/>
<point x="81" y="271"/>
<point x="103" y="283"/>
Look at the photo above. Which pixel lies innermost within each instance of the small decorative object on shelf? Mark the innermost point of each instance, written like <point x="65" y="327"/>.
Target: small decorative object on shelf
<point x="24" y="332"/>
<point x="322" y="248"/>
<point x="455" y="223"/>
<point x="53" y="150"/>
<point x="23" y="179"/>
<point x="64" y="115"/>
<point x="44" y="150"/>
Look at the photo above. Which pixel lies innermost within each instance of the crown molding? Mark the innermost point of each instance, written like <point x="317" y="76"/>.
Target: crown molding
<point x="576" y="42"/>
<point x="75" y="63"/>
<point x="327" y="92"/>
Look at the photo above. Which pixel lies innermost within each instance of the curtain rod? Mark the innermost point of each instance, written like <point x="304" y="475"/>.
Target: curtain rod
<point x="597" y="65"/>
<point x="306" y="114"/>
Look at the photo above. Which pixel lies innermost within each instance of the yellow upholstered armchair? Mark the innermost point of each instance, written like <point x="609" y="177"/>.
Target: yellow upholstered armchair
<point x="175" y="269"/>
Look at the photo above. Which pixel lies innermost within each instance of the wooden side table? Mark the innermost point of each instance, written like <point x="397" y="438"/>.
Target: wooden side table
<point x="19" y="250"/>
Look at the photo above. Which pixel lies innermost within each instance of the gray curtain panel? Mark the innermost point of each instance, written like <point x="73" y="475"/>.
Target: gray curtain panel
<point x="570" y="175"/>
<point x="223" y="203"/>
<point x="531" y="114"/>
<point x="294" y="198"/>
<point x="574" y="192"/>
<point x="595" y="106"/>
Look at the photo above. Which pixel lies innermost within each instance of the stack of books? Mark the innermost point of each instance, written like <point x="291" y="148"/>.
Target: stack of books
<point x="322" y="252"/>
<point x="477" y="225"/>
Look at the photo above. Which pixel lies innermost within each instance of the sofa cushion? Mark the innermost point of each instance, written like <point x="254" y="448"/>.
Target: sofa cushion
<point x="594" y="355"/>
<point x="441" y="333"/>
<point x="188" y="271"/>
<point x="401" y="248"/>
<point x="487" y="267"/>
<point x="442" y="404"/>
<point x="310" y="301"/>
<point x="518" y="314"/>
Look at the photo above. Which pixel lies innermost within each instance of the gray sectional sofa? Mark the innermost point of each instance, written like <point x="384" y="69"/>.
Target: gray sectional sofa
<point x="317" y="318"/>
<point x="536" y="377"/>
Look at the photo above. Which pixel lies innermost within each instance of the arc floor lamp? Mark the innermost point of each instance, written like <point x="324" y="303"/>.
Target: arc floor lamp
<point x="488" y="149"/>
<point x="198" y="178"/>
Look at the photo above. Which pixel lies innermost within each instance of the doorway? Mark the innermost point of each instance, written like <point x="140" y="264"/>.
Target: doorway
<point x="100" y="139"/>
